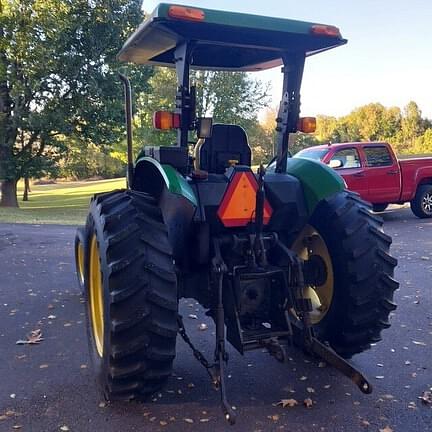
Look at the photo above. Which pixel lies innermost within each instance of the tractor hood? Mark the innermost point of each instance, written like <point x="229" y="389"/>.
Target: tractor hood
<point x="225" y="40"/>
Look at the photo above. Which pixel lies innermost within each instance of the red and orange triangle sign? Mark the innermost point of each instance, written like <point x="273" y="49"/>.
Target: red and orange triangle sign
<point x="238" y="204"/>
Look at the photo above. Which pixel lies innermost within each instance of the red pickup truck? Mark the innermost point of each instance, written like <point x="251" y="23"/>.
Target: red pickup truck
<point x="372" y="170"/>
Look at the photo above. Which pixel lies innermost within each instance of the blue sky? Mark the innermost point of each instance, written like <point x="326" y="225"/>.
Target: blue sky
<point x="388" y="57"/>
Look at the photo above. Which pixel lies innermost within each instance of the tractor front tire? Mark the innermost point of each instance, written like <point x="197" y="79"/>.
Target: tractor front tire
<point x="360" y="274"/>
<point x="131" y="293"/>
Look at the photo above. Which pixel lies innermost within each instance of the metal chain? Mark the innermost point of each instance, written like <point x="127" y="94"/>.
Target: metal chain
<point x="197" y="354"/>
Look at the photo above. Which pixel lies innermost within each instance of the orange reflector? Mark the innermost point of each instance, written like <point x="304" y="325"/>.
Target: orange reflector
<point x="325" y="30"/>
<point x="166" y="120"/>
<point x="238" y="204"/>
<point x="306" y="124"/>
<point x="186" y="13"/>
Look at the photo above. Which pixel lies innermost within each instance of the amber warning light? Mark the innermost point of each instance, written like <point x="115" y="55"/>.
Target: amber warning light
<point x="186" y="13"/>
<point x="165" y="120"/>
<point x="325" y="30"/>
<point x="238" y="204"/>
<point x="306" y="124"/>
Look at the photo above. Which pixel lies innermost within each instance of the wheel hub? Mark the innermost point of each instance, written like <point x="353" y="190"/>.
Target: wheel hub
<point x="96" y="296"/>
<point x="311" y="247"/>
<point x="80" y="256"/>
<point x="427" y="203"/>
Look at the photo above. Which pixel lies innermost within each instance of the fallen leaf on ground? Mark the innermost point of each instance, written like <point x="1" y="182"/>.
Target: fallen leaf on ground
<point x="322" y="364"/>
<point x="308" y="402"/>
<point x="287" y="403"/>
<point x="204" y="420"/>
<point x="64" y="428"/>
<point x="386" y="429"/>
<point x="303" y="378"/>
<point x="310" y="390"/>
<point x="379" y="377"/>
<point x="274" y="417"/>
<point x="203" y="327"/>
<point x="34" y="337"/>
<point x="43" y="366"/>
<point x="3" y="417"/>
<point x="426" y="397"/>
<point x="418" y="343"/>
<point x="188" y="420"/>
<point x="163" y="423"/>
<point x="192" y="316"/>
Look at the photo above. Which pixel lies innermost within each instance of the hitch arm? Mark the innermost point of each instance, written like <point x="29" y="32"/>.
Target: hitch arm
<point x="327" y="354"/>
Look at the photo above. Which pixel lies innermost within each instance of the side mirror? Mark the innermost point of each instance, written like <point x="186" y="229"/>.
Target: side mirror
<point x="335" y="163"/>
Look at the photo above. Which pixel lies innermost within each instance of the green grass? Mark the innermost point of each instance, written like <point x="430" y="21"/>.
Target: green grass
<point x="62" y="203"/>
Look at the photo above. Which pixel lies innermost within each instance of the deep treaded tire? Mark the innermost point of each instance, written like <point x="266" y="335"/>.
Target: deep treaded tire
<point x="139" y="288"/>
<point x="363" y="273"/>
<point x="421" y="205"/>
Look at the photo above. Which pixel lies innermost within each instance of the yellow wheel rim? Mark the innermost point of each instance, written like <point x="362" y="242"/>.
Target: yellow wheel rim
<point x="96" y="296"/>
<point x="80" y="258"/>
<point x="308" y="243"/>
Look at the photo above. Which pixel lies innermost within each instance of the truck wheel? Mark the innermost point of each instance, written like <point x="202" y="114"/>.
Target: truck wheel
<point x="378" y="208"/>
<point x="354" y="296"/>
<point x="80" y="252"/>
<point x="131" y="295"/>
<point x="421" y="205"/>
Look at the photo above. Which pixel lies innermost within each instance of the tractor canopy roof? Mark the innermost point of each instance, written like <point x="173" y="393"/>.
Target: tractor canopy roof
<point x="225" y="40"/>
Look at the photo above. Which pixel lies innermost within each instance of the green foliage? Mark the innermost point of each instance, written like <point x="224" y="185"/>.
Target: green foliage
<point x="58" y="79"/>
<point x="405" y="130"/>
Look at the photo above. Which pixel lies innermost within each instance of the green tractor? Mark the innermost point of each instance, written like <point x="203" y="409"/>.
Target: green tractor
<point x="282" y="257"/>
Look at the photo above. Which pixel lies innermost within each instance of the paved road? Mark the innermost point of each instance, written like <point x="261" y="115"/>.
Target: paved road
<point x="50" y="387"/>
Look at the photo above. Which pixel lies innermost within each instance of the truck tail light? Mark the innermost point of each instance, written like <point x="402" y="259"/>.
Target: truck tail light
<point x="306" y="124"/>
<point x="186" y="13"/>
<point x="165" y="120"/>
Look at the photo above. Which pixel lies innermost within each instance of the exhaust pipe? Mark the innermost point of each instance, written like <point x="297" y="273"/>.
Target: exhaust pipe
<point x="128" y="117"/>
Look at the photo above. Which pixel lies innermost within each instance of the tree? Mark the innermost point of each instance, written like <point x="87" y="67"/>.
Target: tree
<point x="412" y="126"/>
<point x="58" y="79"/>
<point x="229" y="97"/>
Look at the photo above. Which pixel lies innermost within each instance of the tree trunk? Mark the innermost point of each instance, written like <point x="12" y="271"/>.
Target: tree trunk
<point x="26" y="188"/>
<point x="9" y="193"/>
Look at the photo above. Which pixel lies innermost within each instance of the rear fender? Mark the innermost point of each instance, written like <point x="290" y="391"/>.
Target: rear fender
<point x="176" y="199"/>
<point x="318" y="180"/>
<point x="152" y="177"/>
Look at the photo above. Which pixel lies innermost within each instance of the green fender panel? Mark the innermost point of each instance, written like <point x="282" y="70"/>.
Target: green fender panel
<point x="318" y="180"/>
<point x="146" y="168"/>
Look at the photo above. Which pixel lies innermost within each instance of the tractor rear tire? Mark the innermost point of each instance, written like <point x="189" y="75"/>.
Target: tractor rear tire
<point x="131" y="294"/>
<point x="363" y="283"/>
<point x="80" y="253"/>
<point x="421" y="205"/>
